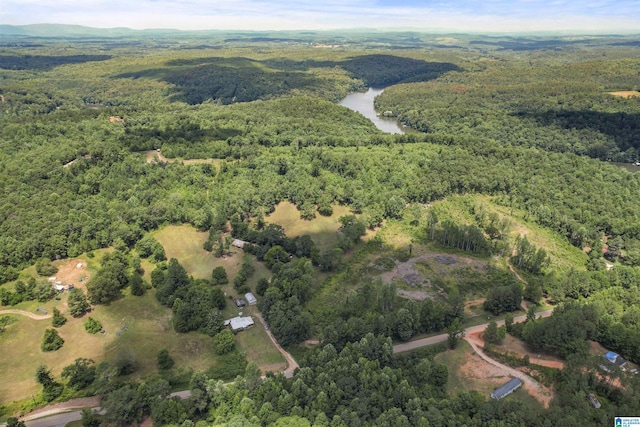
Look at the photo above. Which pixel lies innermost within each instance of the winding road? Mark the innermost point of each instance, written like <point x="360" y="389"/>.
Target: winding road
<point x="63" y="414"/>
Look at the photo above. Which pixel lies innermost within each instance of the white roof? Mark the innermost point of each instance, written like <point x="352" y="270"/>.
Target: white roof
<point x="251" y="299"/>
<point x="240" y="323"/>
<point x="238" y="243"/>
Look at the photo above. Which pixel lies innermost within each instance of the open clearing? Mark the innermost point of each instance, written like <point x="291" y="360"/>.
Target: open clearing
<point x="322" y="229"/>
<point x="257" y="347"/>
<point x="416" y="275"/>
<point x="154" y="156"/>
<point x="185" y="243"/>
<point x="467" y="371"/>
<point x="625" y="93"/>
<point x="148" y="331"/>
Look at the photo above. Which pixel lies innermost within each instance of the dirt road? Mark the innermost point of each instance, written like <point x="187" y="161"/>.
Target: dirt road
<point x="292" y="365"/>
<point x="26" y="313"/>
<point x="412" y="345"/>
<point x="537" y="390"/>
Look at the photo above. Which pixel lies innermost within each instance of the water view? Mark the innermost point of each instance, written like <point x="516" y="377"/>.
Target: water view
<point x="362" y="102"/>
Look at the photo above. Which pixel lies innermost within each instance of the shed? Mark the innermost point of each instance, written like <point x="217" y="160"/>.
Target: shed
<point x="507" y="389"/>
<point x="240" y="302"/>
<point x="238" y="243"/>
<point x="594" y="401"/>
<point x="239" y="323"/>
<point x="251" y="299"/>
<point x="615" y="359"/>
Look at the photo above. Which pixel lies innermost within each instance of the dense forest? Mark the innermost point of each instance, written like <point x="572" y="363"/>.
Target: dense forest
<point x="93" y="150"/>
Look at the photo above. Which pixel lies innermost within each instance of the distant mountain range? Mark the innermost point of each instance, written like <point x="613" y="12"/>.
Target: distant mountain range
<point x="61" y="30"/>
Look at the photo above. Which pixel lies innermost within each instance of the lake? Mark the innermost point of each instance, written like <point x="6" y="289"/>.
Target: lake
<point x="362" y="102"/>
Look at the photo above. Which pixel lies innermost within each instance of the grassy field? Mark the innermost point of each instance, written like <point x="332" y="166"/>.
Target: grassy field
<point x="322" y="229"/>
<point x="257" y="347"/>
<point x="184" y="243"/>
<point x="148" y="331"/>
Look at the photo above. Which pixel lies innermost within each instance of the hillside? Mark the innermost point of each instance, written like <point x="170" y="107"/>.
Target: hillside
<point x="185" y="170"/>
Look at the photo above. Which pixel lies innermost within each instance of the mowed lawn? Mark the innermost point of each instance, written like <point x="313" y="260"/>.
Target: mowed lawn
<point x="322" y="229"/>
<point x="185" y="243"/>
<point x="257" y="347"/>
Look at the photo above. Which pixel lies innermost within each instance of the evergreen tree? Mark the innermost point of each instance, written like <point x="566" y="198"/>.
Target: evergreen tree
<point x="78" y="304"/>
<point x="58" y="319"/>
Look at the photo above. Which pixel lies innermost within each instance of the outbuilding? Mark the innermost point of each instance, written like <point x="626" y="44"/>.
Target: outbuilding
<point x="507" y="389"/>
<point x="250" y="298"/>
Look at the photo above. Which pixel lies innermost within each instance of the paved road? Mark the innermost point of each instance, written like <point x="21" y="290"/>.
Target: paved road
<point x="412" y="345"/>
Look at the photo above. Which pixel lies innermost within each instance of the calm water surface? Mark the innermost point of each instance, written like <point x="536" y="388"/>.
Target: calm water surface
<point x="362" y="102"/>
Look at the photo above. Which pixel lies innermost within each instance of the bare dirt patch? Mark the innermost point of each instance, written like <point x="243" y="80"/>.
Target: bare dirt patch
<point x="625" y="93"/>
<point x="414" y="275"/>
<point x="481" y="375"/>
<point x="540" y="392"/>
<point x="72" y="272"/>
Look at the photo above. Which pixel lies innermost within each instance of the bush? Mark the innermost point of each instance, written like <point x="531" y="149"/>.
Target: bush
<point x="45" y="267"/>
<point x="78" y="304"/>
<point x="58" y="319"/>
<point x="219" y="276"/>
<point x="164" y="360"/>
<point x="224" y="342"/>
<point x="92" y="325"/>
<point x="51" y="341"/>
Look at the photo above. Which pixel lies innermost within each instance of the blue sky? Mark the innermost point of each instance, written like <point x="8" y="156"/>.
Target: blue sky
<point x="467" y="15"/>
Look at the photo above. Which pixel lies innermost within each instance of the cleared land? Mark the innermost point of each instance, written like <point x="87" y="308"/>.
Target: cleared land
<point x="154" y="156"/>
<point x="625" y="93"/>
<point x="185" y="243"/>
<point x="322" y="229"/>
<point x="467" y="371"/>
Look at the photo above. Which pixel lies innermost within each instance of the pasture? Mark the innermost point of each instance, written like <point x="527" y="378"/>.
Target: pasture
<point x="322" y="229"/>
<point x="185" y="243"/>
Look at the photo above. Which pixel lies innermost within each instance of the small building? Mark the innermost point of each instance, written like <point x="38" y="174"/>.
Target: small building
<point x="594" y="401"/>
<point x="507" y="389"/>
<point x="238" y="243"/>
<point x="238" y="324"/>
<point x="240" y="302"/>
<point x="251" y="299"/>
<point x="615" y="359"/>
<point x="59" y="288"/>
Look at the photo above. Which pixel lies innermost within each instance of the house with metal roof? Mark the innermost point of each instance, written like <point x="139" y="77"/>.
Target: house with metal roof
<point x="507" y="389"/>
<point x="239" y="323"/>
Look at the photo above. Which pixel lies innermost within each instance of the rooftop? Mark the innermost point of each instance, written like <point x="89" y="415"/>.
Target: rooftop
<point x="506" y="389"/>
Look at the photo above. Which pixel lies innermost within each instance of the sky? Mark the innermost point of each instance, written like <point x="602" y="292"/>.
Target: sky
<point x="595" y="16"/>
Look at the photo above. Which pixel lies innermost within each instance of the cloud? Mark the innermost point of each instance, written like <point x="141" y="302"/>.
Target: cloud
<point x="469" y="15"/>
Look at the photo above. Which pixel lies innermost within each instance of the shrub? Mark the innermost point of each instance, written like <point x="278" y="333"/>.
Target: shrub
<point x="58" y="319"/>
<point x="51" y="341"/>
<point x="164" y="360"/>
<point x="224" y="342"/>
<point x="219" y="276"/>
<point x="92" y="325"/>
<point x="44" y="267"/>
